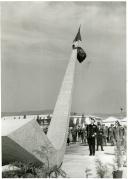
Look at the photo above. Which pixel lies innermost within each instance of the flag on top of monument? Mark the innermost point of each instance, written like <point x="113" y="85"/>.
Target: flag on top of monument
<point x="78" y="36"/>
<point x="81" y="55"/>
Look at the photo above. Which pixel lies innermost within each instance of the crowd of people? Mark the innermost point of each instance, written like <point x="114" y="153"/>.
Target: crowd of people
<point x="97" y="134"/>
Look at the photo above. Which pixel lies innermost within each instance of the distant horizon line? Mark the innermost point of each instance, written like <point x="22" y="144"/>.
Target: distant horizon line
<point x="51" y="111"/>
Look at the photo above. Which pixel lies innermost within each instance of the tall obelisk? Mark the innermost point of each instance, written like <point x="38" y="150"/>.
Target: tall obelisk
<point x="58" y="129"/>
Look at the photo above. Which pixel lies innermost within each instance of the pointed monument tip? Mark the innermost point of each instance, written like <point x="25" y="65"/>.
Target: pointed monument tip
<point x="78" y="35"/>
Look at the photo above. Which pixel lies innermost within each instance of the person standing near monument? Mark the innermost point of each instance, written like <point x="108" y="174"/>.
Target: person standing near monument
<point x="85" y="134"/>
<point x="68" y="138"/>
<point x="74" y="134"/>
<point x="111" y="135"/>
<point x="82" y="135"/>
<point x="91" y="134"/>
<point x="100" y="133"/>
<point x="105" y="134"/>
<point x="82" y="120"/>
<point x="118" y="132"/>
<point x="79" y="133"/>
<point x="70" y="134"/>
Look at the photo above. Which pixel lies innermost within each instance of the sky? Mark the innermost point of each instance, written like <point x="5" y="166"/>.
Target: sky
<point x="36" y="47"/>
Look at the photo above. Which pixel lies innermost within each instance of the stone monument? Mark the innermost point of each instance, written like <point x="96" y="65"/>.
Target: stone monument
<point x="25" y="141"/>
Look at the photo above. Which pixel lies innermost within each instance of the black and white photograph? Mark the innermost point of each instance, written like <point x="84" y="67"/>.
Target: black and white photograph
<point x="63" y="89"/>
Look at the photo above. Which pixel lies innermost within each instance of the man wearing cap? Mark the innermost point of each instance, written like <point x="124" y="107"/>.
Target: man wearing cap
<point x="118" y="132"/>
<point x="91" y="133"/>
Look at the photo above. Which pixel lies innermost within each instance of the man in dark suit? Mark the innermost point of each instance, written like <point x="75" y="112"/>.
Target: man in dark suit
<point x="91" y="133"/>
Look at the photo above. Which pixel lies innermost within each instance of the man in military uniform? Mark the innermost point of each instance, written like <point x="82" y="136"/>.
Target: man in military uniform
<point x="111" y="135"/>
<point x="118" y="132"/>
<point x="79" y="133"/>
<point x="91" y="133"/>
<point x="105" y="134"/>
<point x="74" y="134"/>
<point x="85" y="134"/>
<point x="68" y="138"/>
<point x="99" y="136"/>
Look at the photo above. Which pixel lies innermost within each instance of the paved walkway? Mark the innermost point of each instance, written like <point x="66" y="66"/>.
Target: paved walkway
<point x="77" y="160"/>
